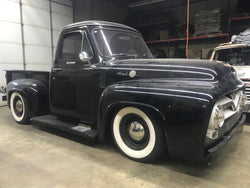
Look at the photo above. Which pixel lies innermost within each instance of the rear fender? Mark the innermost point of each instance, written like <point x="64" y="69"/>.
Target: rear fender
<point x="35" y="92"/>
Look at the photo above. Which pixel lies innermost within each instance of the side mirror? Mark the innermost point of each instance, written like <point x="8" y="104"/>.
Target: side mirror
<point x="84" y="57"/>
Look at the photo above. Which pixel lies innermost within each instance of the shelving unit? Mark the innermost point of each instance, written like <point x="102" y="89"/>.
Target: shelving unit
<point x="179" y="41"/>
<point x="238" y="18"/>
<point x="190" y="38"/>
<point x="152" y="23"/>
<point x="149" y="30"/>
<point x="234" y="19"/>
<point x="181" y="38"/>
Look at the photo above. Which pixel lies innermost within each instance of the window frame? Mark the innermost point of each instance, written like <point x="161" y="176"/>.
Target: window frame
<point x="115" y="29"/>
<point x="60" y="51"/>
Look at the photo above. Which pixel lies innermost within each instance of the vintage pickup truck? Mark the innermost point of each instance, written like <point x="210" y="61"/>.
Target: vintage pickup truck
<point x="104" y="83"/>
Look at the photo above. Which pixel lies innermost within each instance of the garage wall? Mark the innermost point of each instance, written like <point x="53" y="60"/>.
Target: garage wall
<point x="61" y="16"/>
<point x="10" y="39"/>
<point x="30" y="45"/>
<point x="38" y="21"/>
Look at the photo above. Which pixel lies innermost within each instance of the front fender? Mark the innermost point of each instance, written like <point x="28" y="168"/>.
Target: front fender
<point x="184" y="112"/>
<point x="35" y="92"/>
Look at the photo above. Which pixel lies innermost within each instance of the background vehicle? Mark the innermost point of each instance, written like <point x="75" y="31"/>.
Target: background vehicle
<point x="105" y="82"/>
<point x="237" y="55"/>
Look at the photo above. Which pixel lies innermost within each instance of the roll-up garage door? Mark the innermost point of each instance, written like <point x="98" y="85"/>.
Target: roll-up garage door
<point x="30" y="45"/>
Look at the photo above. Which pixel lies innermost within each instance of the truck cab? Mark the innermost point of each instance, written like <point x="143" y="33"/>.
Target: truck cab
<point x="78" y="70"/>
<point x="104" y="83"/>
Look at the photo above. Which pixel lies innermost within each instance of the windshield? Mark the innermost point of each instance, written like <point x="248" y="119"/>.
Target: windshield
<point x="235" y="56"/>
<point x="121" y="44"/>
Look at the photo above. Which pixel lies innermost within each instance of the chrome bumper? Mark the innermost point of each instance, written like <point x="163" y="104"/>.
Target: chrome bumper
<point x="227" y="137"/>
<point x="247" y="108"/>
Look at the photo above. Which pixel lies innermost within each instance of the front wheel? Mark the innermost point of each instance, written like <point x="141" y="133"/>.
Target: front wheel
<point x="137" y="135"/>
<point x="19" y="108"/>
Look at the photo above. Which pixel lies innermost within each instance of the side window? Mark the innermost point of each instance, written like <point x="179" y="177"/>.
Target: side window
<point x="71" y="47"/>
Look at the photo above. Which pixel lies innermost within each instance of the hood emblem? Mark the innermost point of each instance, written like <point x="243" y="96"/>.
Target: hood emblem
<point x="132" y="74"/>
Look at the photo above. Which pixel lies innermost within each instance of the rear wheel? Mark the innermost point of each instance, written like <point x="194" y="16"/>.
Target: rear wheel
<point x="137" y="135"/>
<point x="19" y="108"/>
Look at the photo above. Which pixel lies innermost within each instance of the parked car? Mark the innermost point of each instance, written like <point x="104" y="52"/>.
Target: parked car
<point x="237" y="55"/>
<point x="104" y="83"/>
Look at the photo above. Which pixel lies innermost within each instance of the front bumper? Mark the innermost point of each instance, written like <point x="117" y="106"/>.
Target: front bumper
<point x="227" y="137"/>
<point x="246" y="109"/>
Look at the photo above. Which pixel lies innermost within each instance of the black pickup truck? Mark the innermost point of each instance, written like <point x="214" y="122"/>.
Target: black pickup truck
<point x="105" y="83"/>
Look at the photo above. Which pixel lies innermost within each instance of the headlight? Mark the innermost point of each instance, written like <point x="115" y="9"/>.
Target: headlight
<point x="217" y="117"/>
<point x="216" y="121"/>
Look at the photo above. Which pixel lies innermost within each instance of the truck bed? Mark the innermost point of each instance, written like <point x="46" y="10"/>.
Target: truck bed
<point x="19" y="74"/>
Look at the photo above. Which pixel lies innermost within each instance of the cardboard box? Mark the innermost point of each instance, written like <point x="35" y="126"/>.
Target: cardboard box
<point x="153" y="35"/>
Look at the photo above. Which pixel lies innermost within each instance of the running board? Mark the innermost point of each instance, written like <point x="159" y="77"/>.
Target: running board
<point x="78" y="129"/>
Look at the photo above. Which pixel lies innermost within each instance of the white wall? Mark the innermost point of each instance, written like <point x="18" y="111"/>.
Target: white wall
<point x="36" y="19"/>
<point x="37" y="33"/>
<point x="10" y="39"/>
<point x="37" y="39"/>
<point x="61" y="16"/>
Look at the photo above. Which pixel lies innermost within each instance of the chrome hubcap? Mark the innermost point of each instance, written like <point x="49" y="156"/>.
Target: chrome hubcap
<point x="136" y="131"/>
<point x="19" y="106"/>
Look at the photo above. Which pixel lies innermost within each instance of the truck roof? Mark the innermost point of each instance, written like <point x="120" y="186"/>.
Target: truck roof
<point x="96" y="23"/>
<point x="230" y="46"/>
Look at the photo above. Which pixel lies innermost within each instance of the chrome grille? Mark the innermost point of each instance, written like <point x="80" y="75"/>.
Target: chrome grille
<point x="247" y="83"/>
<point x="230" y="103"/>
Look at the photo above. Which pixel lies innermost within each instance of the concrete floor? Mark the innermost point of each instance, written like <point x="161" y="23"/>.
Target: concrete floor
<point x="38" y="157"/>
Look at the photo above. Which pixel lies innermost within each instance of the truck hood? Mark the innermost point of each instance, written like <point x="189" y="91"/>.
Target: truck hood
<point x="199" y="76"/>
<point x="173" y="69"/>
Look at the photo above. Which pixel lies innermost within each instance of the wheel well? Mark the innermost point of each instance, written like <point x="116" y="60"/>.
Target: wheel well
<point x="148" y="110"/>
<point x="108" y="123"/>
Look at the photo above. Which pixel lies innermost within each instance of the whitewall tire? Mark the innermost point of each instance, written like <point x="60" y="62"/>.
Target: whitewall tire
<point x="19" y="108"/>
<point x="137" y="135"/>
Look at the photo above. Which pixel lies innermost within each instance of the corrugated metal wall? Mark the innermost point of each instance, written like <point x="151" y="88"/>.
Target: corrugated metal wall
<point x="29" y="31"/>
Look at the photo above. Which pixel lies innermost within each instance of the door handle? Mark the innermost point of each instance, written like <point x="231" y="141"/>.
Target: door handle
<point x="56" y="69"/>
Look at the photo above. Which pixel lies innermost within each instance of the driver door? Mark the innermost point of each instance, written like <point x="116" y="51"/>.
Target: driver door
<point x="73" y="82"/>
